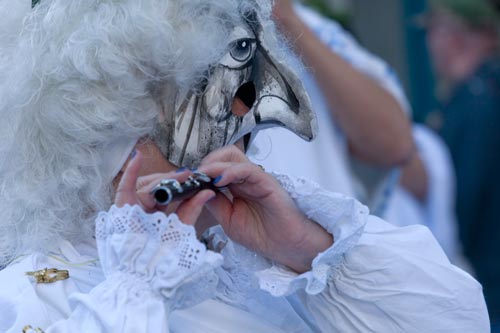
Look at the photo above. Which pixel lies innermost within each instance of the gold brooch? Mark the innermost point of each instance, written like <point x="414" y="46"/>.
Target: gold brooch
<point x="29" y="329"/>
<point x="49" y="275"/>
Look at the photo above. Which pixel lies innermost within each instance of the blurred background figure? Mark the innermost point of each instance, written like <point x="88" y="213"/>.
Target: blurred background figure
<point x="463" y="42"/>
<point x="364" y="132"/>
<point x="457" y="97"/>
<point x="365" y="142"/>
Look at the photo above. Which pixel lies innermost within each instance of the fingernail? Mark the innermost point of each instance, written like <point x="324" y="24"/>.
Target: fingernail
<point x="216" y="180"/>
<point x="133" y="154"/>
<point x="181" y="170"/>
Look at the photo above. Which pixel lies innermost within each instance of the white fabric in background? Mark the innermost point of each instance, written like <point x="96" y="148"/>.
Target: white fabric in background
<point x="326" y="159"/>
<point x="437" y="211"/>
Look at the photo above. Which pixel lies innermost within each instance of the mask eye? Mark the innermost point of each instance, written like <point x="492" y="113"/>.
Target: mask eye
<point x="242" y="50"/>
<point x="241" y="53"/>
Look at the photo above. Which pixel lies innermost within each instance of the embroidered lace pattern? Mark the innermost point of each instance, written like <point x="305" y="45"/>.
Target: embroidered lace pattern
<point x="159" y="250"/>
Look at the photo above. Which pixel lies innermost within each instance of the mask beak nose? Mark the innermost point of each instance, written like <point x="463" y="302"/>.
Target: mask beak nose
<point x="280" y="99"/>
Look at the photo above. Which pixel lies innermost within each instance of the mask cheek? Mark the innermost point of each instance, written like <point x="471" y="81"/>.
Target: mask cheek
<point x="225" y="84"/>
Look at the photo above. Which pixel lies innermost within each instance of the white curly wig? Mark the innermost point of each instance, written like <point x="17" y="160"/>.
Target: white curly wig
<point x="77" y="79"/>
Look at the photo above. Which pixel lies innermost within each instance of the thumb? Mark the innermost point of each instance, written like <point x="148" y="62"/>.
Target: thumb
<point x="126" y="191"/>
<point x="189" y="210"/>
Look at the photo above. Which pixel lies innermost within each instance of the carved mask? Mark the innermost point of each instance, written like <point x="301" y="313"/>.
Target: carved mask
<point x="269" y="94"/>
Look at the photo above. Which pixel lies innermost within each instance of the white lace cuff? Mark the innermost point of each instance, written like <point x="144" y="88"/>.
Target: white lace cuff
<point x="159" y="250"/>
<point x="341" y="216"/>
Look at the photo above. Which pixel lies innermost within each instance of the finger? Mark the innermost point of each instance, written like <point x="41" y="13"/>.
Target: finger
<point x="234" y="173"/>
<point x="148" y="182"/>
<point x="146" y="199"/>
<point x="189" y="211"/>
<point x="145" y="180"/>
<point x="225" y="154"/>
<point x="221" y="208"/>
<point x="126" y="192"/>
<point x="215" y="169"/>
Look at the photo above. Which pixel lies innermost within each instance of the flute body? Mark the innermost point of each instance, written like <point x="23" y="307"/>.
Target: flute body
<point x="169" y="190"/>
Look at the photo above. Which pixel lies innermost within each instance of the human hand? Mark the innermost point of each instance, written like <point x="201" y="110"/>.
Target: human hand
<point x="165" y="256"/>
<point x="135" y="190"/>
<point x="261" y="215"/>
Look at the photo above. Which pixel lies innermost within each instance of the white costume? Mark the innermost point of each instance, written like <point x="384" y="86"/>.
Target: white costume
<point x="326" y="160"/>
<point x="85" y="81"/>
<point x="374" y="278"/>
<point x="436" y="212"/>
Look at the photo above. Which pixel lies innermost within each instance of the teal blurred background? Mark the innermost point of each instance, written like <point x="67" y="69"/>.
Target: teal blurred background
<point x="388" y="28"/>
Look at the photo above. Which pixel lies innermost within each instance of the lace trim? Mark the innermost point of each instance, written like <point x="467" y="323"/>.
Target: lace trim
<point x="340" y="215"/>
<point x="132" y="219"/>
<point x="158" y="249"/>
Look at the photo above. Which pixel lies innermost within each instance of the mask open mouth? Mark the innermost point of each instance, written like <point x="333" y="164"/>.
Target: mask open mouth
<point x="244" y="99"/>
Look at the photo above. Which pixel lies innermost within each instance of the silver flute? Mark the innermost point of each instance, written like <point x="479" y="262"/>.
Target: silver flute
<point x="169" y="190"/>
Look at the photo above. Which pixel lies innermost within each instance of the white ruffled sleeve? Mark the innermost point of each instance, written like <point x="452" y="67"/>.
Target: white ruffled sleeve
<point x="152" y="264"/>
<point x="376" y="277"/>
